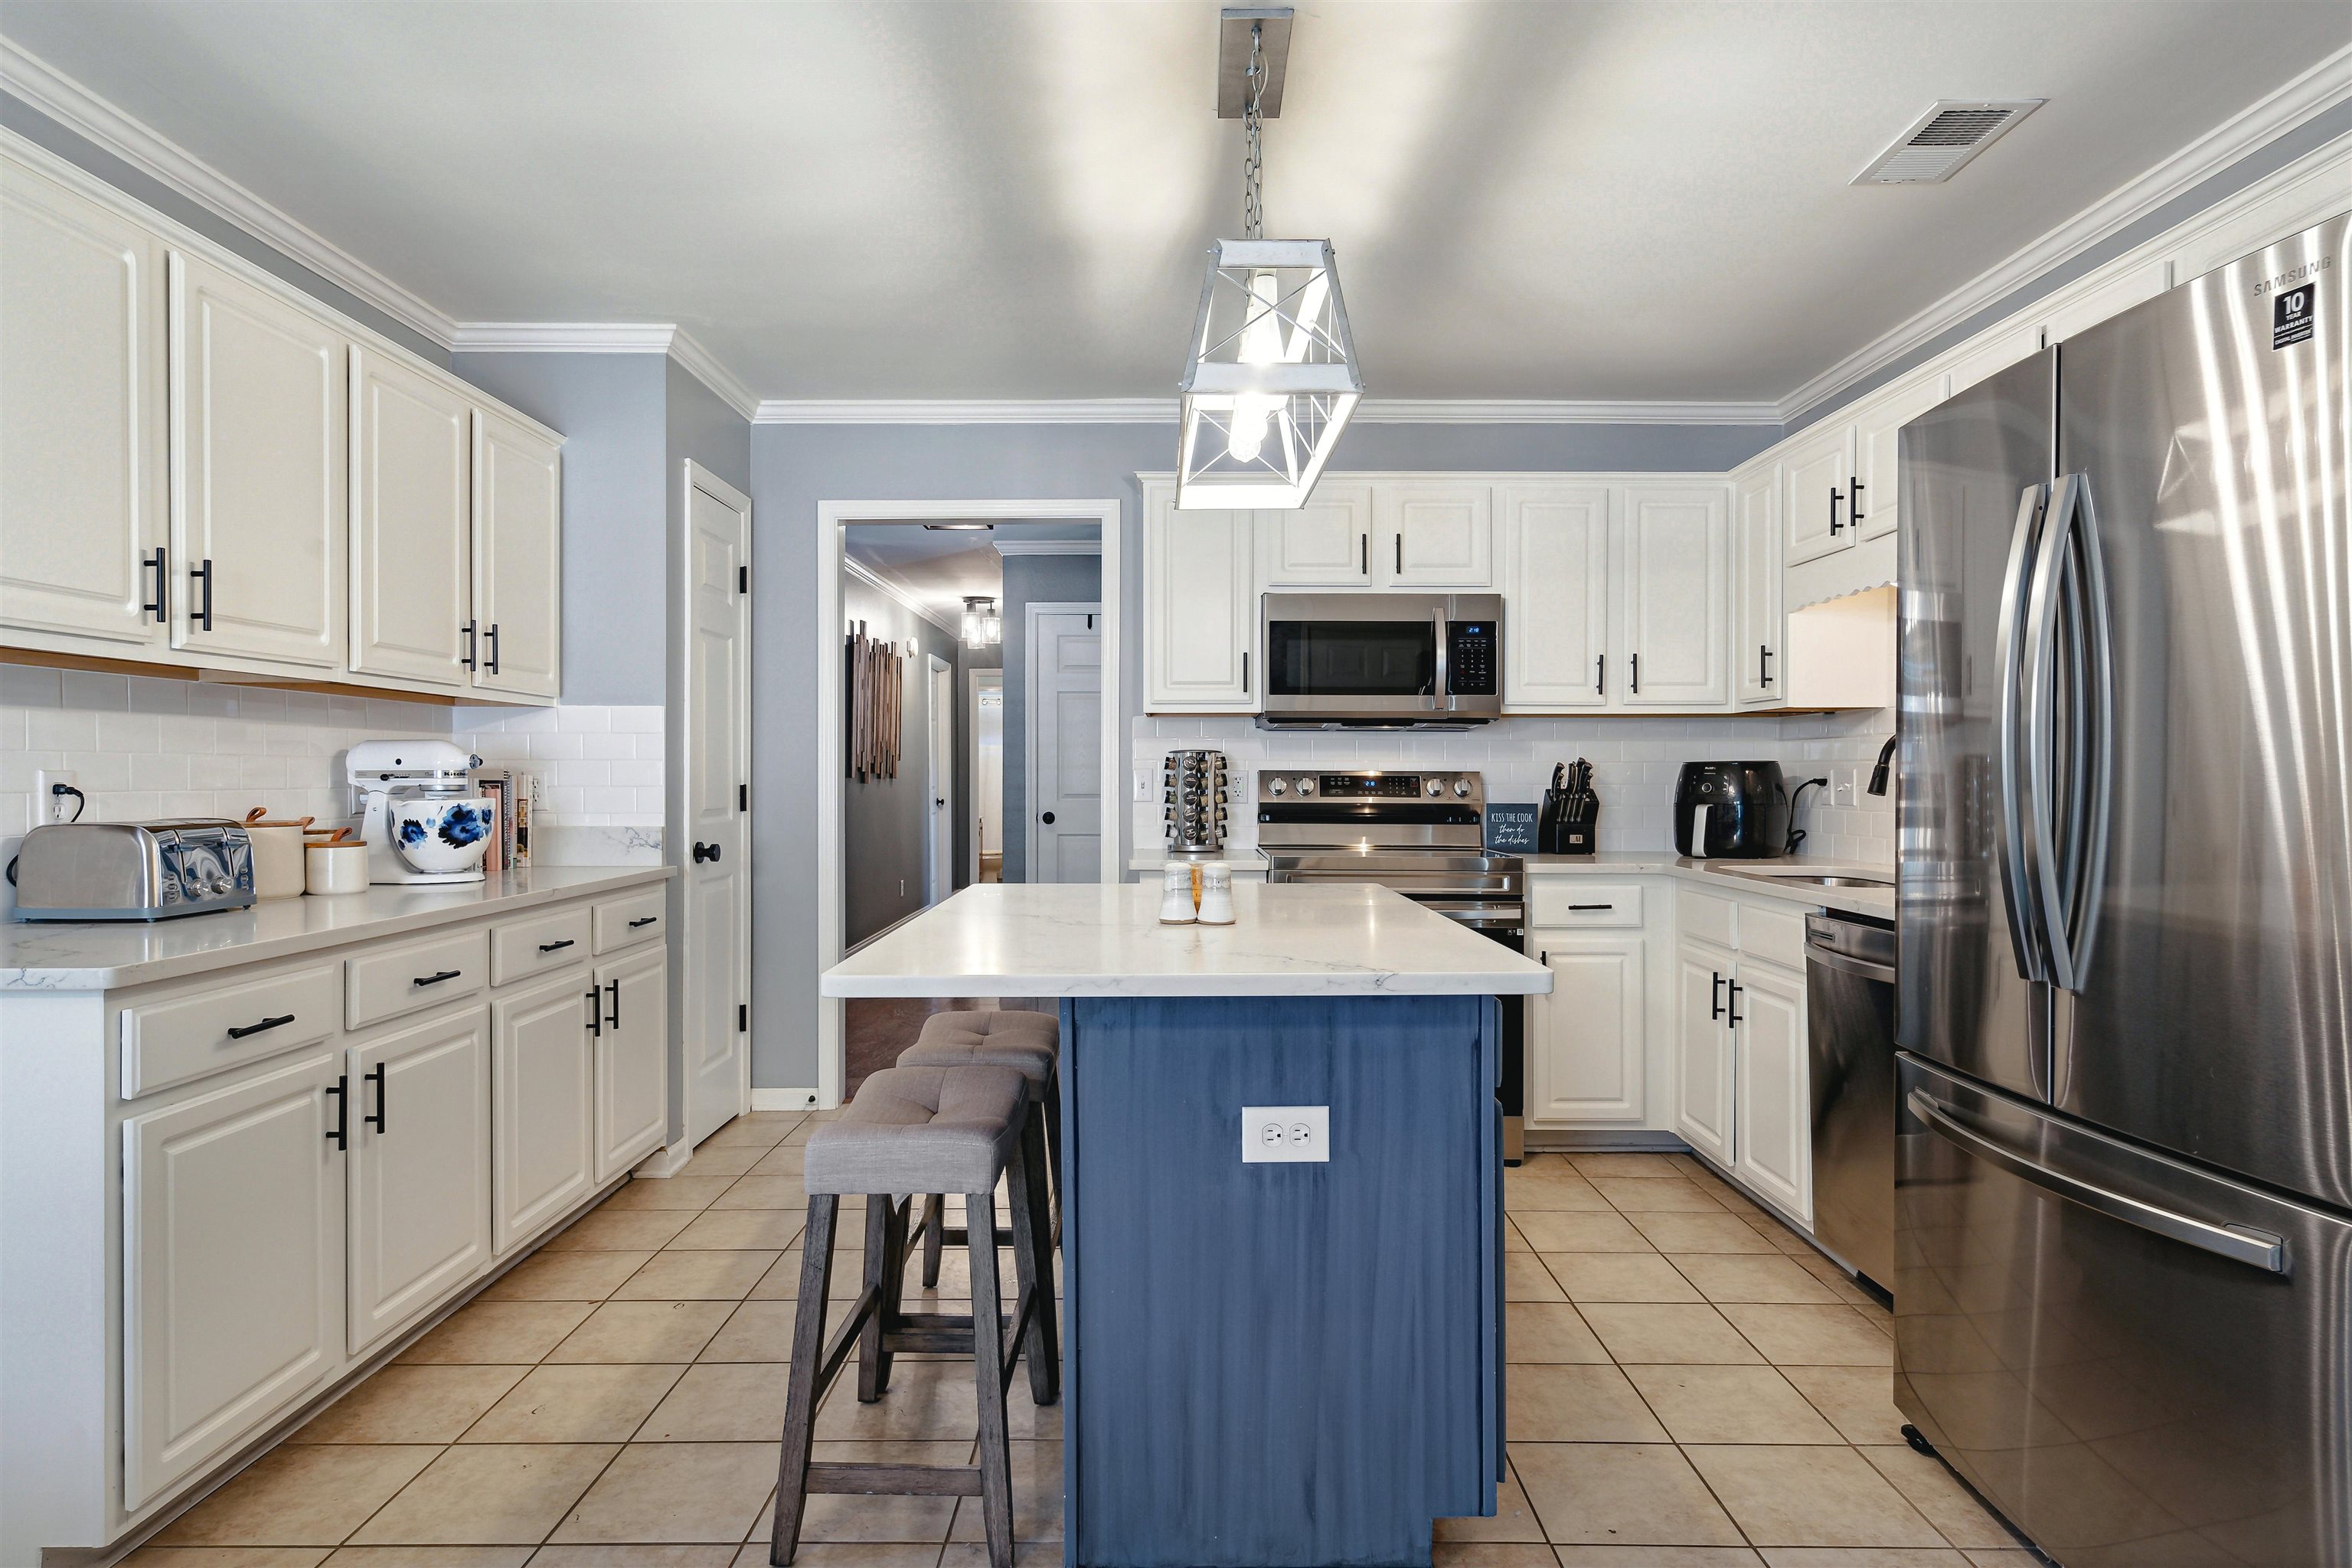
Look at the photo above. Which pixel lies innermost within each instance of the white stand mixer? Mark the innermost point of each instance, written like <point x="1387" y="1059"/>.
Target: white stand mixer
<point x="423" y="820"/>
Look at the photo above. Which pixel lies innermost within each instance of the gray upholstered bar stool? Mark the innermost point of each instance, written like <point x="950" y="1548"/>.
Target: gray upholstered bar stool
<point x="1028" y="1042"/>
<point x="923" y="1130"/>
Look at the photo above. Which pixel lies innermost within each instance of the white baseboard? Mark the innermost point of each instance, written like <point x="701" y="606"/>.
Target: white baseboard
<point x="667" y="1160"/>
<point x="785" y="1099"/>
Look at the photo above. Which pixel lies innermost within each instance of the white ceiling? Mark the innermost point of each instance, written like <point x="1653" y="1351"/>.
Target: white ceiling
<point x="939" y="568"/>
<point x="1556" y="201"/>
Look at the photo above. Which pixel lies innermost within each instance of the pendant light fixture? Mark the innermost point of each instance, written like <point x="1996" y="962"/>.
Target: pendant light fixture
<point x="1272" y="378"/>
<point x="982" y="627"/>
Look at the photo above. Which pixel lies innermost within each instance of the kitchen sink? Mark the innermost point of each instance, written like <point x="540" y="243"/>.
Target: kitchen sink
<point x="1814" y="879"/>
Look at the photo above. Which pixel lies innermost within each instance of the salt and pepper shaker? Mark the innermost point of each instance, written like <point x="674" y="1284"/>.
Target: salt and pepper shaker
<point x="1176" y="894"/>
<point x="1216" y="894"/>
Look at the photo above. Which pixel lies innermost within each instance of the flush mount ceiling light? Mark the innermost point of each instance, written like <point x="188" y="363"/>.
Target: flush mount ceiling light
<point x="982" y="627"/>
<point x="1272" y="378"/>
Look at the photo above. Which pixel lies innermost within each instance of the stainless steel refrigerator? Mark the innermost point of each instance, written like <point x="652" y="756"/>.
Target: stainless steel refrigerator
<point x="2123" y="1286"/>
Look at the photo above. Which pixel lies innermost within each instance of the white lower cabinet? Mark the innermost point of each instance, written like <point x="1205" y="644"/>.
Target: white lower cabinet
<point x="420" y="1169"/>
<point x="542" y="1095"/>
<point x="1741" y="1070"/>
<point x="1588" y="1040"/>
<point x="1704" y="1079"/>
<point x="232" y="1263"/>
<point x="632" y="1059"/>
<point x="1772" y="1141"/>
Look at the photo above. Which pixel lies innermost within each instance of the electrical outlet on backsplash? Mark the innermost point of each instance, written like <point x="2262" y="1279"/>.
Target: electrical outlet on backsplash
<point x="1634" y="762"/>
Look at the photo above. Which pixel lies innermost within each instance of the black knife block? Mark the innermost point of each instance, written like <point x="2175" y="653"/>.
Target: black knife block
<point x="1567" y="827"/>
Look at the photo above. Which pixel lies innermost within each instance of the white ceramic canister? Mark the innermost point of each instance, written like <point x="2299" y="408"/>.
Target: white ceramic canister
<point x="1216" y="894"/>
<point x="1176" y="894"/>
<point x="340" y="868"/>
<point x="278" y="870"/>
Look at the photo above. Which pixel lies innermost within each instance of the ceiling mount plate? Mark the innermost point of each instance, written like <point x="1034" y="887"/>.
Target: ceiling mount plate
<point x="1233" y="24"/>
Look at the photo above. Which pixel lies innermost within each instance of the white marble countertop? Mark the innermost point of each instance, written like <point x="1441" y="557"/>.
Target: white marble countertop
<point x="104" y="955"/>
<point x="1082" y="940"/>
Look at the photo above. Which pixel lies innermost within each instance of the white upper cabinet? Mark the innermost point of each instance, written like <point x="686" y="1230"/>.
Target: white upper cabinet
<point x="1818" y="467"/>
<point x="1556" y="594"/>
<point x="1677" y="597"/>
<point x="412" y="553"/>
<point x="1757" y="650"/>
<point x="518" y="558"/>
<point x="259" y="487"/>
<point x="1200" y="606"/>
<point x="1434" y="533"/>
<point x="1876" y="498"/>
<point x="1327" y="542"/>
<point x="82" y="417"/>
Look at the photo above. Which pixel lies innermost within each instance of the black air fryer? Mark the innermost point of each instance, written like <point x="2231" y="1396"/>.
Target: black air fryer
<point x="1731" y="811"/>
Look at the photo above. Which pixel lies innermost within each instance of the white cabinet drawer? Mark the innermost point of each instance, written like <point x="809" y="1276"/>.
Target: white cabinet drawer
<point x="540" y="945"/>
<point x="635" y="917"/>
<point x="1707" y="918"/>
<point x="1777" y="936"/>
<point x="164" y="1043"/>
<point x="1581" y="901"/>
<point x="389" y="981"/>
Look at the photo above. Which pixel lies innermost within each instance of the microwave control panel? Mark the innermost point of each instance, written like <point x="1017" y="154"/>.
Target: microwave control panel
<point x="1470" y="661"/>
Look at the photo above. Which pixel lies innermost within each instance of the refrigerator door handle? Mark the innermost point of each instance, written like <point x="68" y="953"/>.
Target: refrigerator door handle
<point x="2240" y="1243"/>
<point x="2072" y="919"/>
<point x="2013" y="647"/>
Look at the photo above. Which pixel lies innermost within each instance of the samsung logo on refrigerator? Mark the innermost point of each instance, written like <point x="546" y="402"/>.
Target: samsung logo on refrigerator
<point x="2308" y="271"/>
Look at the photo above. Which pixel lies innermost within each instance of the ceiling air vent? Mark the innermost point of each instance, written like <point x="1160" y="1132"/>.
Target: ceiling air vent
<point x="1945" y="138"/>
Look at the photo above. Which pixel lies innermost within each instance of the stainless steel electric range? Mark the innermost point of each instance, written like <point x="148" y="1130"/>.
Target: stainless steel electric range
<point x="1424" y="834"/>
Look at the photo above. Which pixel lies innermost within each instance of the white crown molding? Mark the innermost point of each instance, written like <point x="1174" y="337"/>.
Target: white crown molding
<point x="608" y="338"/>
<point x="704" y="366"/>
<point x="1164" y="411"/>
<point x="1049" y="547"/>
<point x="2317" y="90"/>
<point x="899" y="592"/>
<point x="78" y="109"/>
<point x="1538" y="411"/>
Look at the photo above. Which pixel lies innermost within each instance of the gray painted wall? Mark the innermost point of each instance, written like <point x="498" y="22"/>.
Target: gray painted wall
<point x="612" y="410"/>
<point x="1073" y="579"/>
<point x="884" y="820"/>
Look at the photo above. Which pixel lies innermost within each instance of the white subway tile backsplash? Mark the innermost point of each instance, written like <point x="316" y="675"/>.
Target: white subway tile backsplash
<point x="596" y="766"/>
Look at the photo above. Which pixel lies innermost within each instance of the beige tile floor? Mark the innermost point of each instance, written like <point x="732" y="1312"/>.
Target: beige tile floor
<point x="1691" y="1386"/>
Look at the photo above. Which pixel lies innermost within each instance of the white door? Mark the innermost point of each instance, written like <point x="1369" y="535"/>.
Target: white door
<point x="412" y="545"/>
<point x="632" y="1038"/>
<point x="1587" y="1037"/>
<point x="1878" y="499"/>
<point x="939" y="768"/>
<point x="1200" y="606"/>
<point x="1556" y="619"/>
<point x="1326" y="542"/>
<point x="1817" y="471"/>
<point x="420" y="1170"/>
<point x="81" y="418"/>
<point x="715" y="876"/>
<point x="518" y="557"/>
<point x="1757" y="651"/>
<point x="1065" y="759"/>
<point x="232" y="1265"/>
<point x="542" y="1105"/>
<point x="260" y="492"/>
<point x="1677" y="597"/>
<point x="1703" y="1072"/>
<point x="1773" y="1145"/>
<point x="1437" y="533"/>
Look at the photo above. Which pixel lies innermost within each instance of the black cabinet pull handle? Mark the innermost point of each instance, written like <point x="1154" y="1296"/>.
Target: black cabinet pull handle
<point x="1637" y="675"/>
<point x="1715" y="999"/>
<point x="494" y="648"/>
<point x="1853" y="513"/>
<point x="1245" y="672"/>
<point x="595" y="1010"/>
<point x="1736" y="1019"/>
<point x="468" y="629"/>
<point x="437" y="979"/>
<point x="278" y="1022"/>
<point x="705" y="852"/>
<point x="612" y="987"/>
<point x="155" y="563"/>
<point x="375" y="1076"/>
<point x="1763" y="665"/>
<point x="1837" y="498"/>
<point x="646" y="920"/>
<point x="203" y="612"/>
<point x="1600" y="675"/>
<point x="1573" y="907"/>
<point x="558" y="946"/>
<point x="339" y="1133"/>
<point x="1544" y="957"/>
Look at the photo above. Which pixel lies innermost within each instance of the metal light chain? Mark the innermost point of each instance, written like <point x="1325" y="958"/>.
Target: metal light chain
<point x="1253" y="144"/>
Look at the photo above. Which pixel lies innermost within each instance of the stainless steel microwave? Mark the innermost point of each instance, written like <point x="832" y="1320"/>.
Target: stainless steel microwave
<point x="1382" y="658"/>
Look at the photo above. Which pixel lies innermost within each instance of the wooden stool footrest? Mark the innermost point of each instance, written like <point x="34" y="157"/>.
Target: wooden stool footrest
<point x="896" y="1480"/>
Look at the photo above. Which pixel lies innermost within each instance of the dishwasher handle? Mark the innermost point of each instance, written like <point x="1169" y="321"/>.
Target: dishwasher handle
<point x="1845" y="963"/>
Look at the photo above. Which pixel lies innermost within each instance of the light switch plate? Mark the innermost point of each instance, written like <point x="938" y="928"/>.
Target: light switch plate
<point x="1285" y="1134"/>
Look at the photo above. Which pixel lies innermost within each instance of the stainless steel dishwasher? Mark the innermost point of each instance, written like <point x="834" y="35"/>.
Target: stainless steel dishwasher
<point x="1850" y="1021"/>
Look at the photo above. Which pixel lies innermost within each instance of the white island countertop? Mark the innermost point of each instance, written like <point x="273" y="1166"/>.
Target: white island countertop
<point x="104" y="955"/>
<point x="1086" y="940"/>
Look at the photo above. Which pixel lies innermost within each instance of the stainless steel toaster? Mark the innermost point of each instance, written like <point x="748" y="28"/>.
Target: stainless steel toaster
<point x="131" y="870"/>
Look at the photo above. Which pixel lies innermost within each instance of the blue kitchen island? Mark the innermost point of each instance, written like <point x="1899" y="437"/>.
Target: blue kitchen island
<point x="1281" y="1360"/>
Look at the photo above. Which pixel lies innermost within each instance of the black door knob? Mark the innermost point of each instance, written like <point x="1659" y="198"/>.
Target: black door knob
<point x="1047" y="819"/>
<point x="705" y="852"/>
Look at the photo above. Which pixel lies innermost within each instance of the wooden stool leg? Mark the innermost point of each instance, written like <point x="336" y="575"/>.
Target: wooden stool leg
<point x="1033" y="1256"/>
<point x="873" y="1361"/>
<point x="808" y="1352"/>
<point x="987" y="1375"/>
<point x="1054" y="1145"/>
<point x="935" y="1220"/>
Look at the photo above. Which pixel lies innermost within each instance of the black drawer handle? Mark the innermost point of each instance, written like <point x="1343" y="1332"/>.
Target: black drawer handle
<point x="278" y="1022"/>
<point x="555" y="946"/>
<point x="375" y="1076"/>
<point x="1854" y="487"/>
<point x="494" y="649"/>
<point x="642" y="921"/>
<point x="437" y="979"/>
<point x="1574" y="907"/>
<point x="204" y="612"/>
<point x="469" y="661"/>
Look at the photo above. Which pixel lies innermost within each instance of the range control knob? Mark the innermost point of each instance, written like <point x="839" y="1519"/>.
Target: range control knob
<point x="1462" y="789"/>
<point x="1307" y="786"/>
<point x="1433" y="787"/>
<point x="1276" y="788"/>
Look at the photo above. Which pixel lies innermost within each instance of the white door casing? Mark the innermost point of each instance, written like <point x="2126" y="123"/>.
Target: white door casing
<point x="939" y="766"/>
<point x="543" y="1096"/>
<point x="412" y="538"/>
<point x="714" y="940"/>
<point x="1064" y="742"/>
